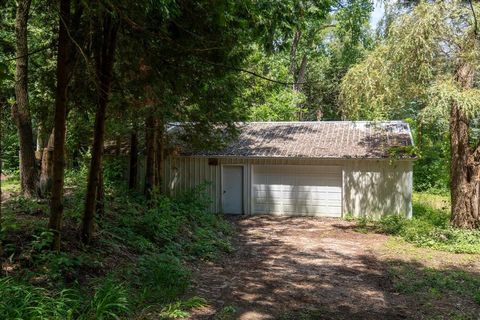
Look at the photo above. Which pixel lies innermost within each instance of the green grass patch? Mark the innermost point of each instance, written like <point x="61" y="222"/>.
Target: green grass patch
<point x="429" y="226"/>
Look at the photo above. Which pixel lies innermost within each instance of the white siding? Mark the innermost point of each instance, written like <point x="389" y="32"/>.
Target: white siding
<point x="370" y="187"/>
<point x="378" y="187"/>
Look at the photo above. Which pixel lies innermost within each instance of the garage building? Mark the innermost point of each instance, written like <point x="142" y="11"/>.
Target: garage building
<point x="323" y="168"/>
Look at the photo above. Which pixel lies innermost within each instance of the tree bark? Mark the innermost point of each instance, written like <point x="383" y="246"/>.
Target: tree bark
<point x="40" y="144"/>
<point x="58" y="154"/>
<point x="159" y="156"/>
<point x="150" y="149"/>
<point x="104" y="63"/>
<point x="464" y="169"/>
<point x="46" y="169"/>
<point x="293" y="53"/>
<point x="20" y="110"/>
<point x="132" y="178"/>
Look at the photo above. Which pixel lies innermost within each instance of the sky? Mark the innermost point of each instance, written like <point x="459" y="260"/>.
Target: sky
<point x="377" y="14"/>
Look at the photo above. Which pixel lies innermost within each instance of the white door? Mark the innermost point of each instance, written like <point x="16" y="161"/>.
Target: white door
<point x="232" y="193"/>
<point x="297" y="190"/>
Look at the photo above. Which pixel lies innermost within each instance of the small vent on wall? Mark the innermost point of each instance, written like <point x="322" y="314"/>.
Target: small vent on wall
<point x="212" y="162"/>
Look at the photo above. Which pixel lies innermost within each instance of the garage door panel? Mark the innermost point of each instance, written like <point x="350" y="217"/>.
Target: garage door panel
<point x="297" y="190"/>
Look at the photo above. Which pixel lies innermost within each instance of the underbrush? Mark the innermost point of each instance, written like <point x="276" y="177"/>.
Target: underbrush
<point x="429" y="226"/>
<point x="139" y="267"/>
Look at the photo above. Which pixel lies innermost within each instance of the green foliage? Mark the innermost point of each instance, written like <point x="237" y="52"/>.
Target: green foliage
<point x="110" y="301"/>
<point x="163" y="277"/>
<point x="430" y="227"/>
<point x="114" y="169"/>
<point x="279" y="105"/>
<point x="180" y="308"/>
<point x="410" y="74"/>
<point x="21" y="300"/>
<point x="183" y="226"/>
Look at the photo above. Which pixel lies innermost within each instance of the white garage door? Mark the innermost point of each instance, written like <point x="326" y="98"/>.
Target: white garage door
<point x="297" y="190"/>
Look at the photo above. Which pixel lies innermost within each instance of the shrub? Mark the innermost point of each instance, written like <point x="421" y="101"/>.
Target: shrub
<point x="430" y="227"/>
<point x="163" y="277"/>
<point x="392" y="224"/>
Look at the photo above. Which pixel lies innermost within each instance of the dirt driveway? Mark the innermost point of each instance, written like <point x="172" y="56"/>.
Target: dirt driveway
<point x="301" y="268"/>
<point x="285" y="265"/>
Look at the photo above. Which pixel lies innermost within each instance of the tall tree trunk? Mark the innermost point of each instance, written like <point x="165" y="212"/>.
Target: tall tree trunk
<point x="132" y="178"/>
<point x="20" y="110"/>
<point x="58" y="156"/>
<point x="299" y="80"/>
<point x="104" y="64"/>
<point x="150" y="149"/>
<point x="464" y="169"/>
<point x="293" y="54"/>
<point x="159" y="155"/>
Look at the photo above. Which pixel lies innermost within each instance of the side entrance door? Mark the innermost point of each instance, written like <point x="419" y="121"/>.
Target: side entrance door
<point x="232" y="189"/>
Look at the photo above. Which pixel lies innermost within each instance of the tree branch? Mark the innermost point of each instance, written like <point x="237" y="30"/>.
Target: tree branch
<point x="31" y="52"/>
<point x="474" y="18"/>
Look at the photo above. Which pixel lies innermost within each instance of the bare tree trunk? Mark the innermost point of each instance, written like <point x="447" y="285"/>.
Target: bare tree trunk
<point x="56" y="204"/>
<point x="40" y="143"/>
<point x="299" y="80"/>
<point x="132" y="178"/>
<point x="150" y="149"/>
<point x="46" y="169"/>
<point x="293" y="54"/>
<point x="464" y="167"/>
<point x="20" y="110"/>
<point x="104" y="61"/>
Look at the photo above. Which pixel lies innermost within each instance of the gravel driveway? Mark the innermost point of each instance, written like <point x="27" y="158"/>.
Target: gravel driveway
<point x="284" y="268"/>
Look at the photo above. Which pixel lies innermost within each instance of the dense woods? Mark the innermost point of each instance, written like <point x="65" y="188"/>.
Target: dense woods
<point x="88" y="89"/>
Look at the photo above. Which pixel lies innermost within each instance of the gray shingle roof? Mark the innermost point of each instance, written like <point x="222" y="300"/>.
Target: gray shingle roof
<point x="320" y="139"/>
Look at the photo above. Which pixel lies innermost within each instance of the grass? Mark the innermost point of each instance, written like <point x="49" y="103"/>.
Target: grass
<point x="137" y="268"/>
<point x="436" y="280"/>
<point x="437" y="289"/>
<point x="429" y="226"/>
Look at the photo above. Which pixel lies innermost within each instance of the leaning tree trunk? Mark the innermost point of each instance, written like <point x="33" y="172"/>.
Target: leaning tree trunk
<point x="20" y="111"/>
<point x="104" y="63"/>
<point x="58" y="154"/>
<point x="464" y="169"/>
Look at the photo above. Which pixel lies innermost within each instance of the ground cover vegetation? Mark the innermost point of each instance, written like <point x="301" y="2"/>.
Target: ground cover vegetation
<point x="88" y="88"/>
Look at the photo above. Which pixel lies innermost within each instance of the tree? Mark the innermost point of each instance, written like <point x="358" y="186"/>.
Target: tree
<point x="104" y="53"/>
<point x="426" y="69"/>
<point x="309" y="45"/>
<point x="56" y="205"/>
<point x="20" y="110"/>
